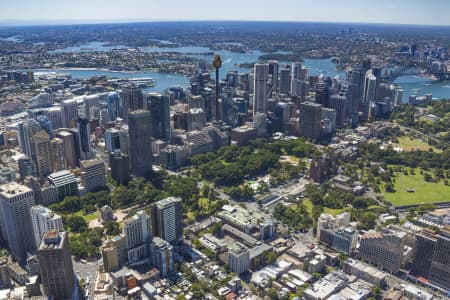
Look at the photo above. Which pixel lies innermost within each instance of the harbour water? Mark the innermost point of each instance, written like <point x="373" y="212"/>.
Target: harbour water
<point x="412" y="85"/>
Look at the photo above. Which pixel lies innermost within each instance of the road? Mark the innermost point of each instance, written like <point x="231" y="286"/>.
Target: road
<point x="85" y="270"/>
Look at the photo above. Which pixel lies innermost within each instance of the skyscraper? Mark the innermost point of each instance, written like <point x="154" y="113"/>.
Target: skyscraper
<point x="93" y="174"/>
<point x="84" y="130"/>
<point x="27" y="130"/>
<point x="56" y="265"/>
<point x="167" y="219"/>
<point x="398" y="96"/>
<point x="440" y="266"/>
<point x="310" y="120"/>
<point x="261" y="77"/>
<point x="369" y="88"/>
<point x="119" y="164"/>
<point x="159" y="107"/>
<point x="425" y="245"/>
<point x="15" y="203"/>
<point x="57" y="160"/>
<point x="90" y="102"/>
<point x="70" y="152"/>
<point x="339" y="104"/>
<point x="113" y="102"/>
<point x="370" y="85"/>
<point x="43" y="220"/>
<point x="273" y="72"/>
<point x="65" y="182"/>
<point x="132" y="99"/>
<point x="70" y="112"/>
<point x="137" y="233"/>
<point x="43" y="153"/>
<point x="55" y="116"/>
<point x="298" y="73"/>
<point x="285" y="81"/>
<point x="26" y="167"/>
<point x="140" y="142"/>
<point x="356" y="91"/>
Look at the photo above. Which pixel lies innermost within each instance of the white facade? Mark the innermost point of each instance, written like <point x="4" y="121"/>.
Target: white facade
<point x="239" y="258"/>
<point x="43" y="220"/>
<point x="137" y="233"/>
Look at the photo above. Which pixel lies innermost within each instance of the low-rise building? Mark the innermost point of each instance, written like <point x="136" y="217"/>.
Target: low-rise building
<point x="326" y="286"/>
<point x="365" y="272"/>
<point x="213" y="243"/>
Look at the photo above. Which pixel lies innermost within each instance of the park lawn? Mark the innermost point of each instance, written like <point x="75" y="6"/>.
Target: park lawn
<point x="424" y="192"/>
<point x="410" y="144"/>
<point x="331" y="211"/>
<point x="88" y="217"/>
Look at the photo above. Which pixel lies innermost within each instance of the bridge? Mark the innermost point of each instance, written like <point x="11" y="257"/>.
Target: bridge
<point x="416" y="68"/>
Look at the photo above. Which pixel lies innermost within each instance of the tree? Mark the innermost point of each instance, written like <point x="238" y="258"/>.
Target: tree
<point x="427" y="177"/>
<point x="317" y="211"/>
<point x="198" y="290"/>
<point x="121" y="196"/>
<point x="376" y="292"/>
<point x="389" y="187"/>
<point x="112" y="228"/>
<point x="76" y="223"/>
<point x="269" y="257"/>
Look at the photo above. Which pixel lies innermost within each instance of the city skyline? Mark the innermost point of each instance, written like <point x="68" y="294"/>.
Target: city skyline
<point x="28" y="12"/>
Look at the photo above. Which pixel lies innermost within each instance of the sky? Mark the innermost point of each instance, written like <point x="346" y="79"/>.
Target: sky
<point x="427" y="12"/>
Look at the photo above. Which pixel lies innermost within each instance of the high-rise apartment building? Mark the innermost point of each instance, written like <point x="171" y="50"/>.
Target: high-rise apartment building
<point x="167" y="219"/>
<point x="238" y="258"/>
<point x="43" y="220"/>
<point x="137" y="233"/>
<point x="161" y="256"/>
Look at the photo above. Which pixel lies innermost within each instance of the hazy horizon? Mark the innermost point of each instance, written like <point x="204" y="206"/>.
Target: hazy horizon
<point x="52" y="12"/>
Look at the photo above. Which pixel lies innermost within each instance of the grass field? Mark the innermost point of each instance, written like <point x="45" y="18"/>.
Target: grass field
<point x="411" y="144"/>
<point x="424" y="192"/>
<point x="88" y="217"/>
<point x="331" y="211"/>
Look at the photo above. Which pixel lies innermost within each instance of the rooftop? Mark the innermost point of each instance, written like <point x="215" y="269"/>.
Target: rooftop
<point x="12" y="189"/>
<point x="52" y="240"/>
